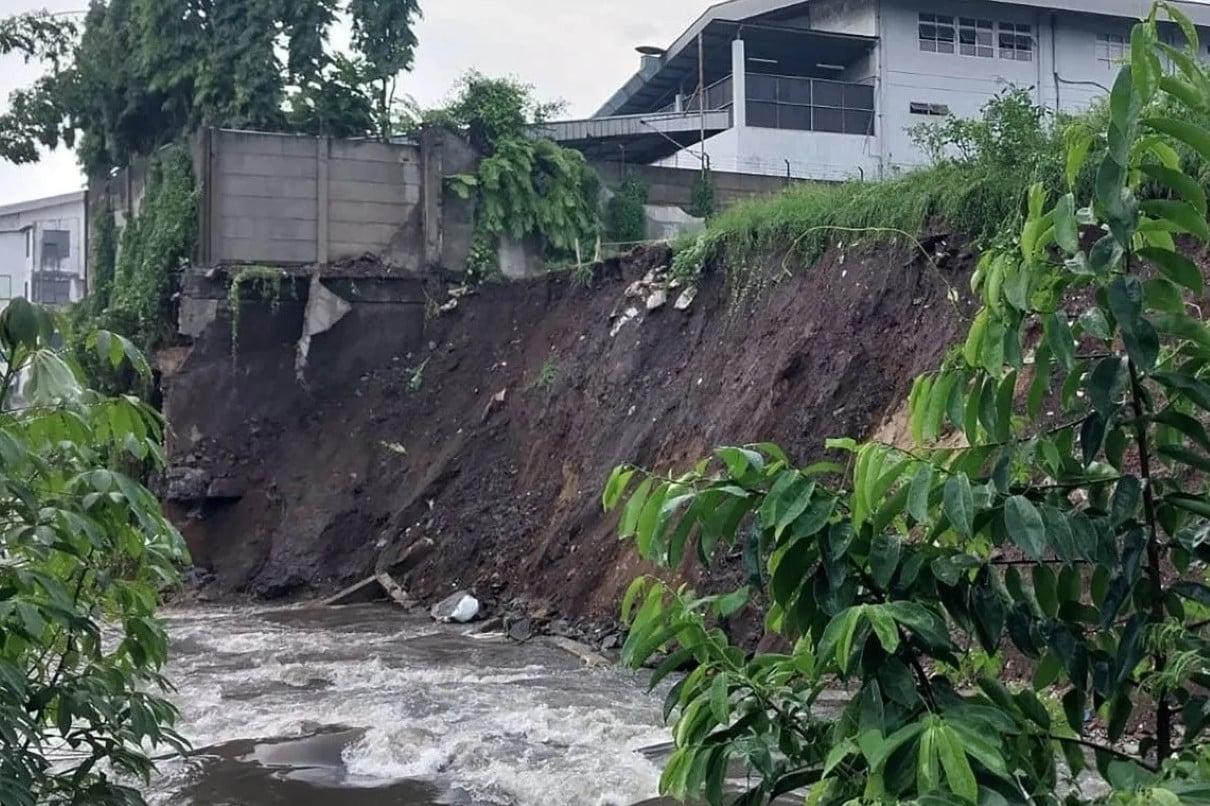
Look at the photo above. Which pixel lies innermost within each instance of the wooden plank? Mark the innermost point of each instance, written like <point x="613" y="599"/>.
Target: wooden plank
<point x="394" y="590"/>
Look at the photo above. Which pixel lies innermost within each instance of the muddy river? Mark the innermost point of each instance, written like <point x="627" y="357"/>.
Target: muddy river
<point x="365" y="705"/>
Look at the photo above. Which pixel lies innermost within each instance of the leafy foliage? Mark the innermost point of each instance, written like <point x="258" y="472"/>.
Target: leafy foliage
<point x="625" y="216"/>
<point x="103" y="235"/>
<point x="974" y="189"/>
<point x="382" y="33"/>
<point x="144" y="73"/>
<point x="702" y="199"/>
<point x="1056" y="535"/>
<point x="156" y="246"/>
<point x="85" y="552"/>
<point x="525" y="188"/>
<point x="263" y="281"/>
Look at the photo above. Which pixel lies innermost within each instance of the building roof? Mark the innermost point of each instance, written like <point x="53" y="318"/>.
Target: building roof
<point x="747" y="11"/>
<point x="38" y="204"/>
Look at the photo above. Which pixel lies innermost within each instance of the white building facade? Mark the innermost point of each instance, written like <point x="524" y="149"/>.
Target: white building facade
<point x="829" y="89"/>
<point x="42" y="250"/>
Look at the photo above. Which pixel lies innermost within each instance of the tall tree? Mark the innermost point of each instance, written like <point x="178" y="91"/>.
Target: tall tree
<point x="383" y="35"/>
<point x="142" y="73"/>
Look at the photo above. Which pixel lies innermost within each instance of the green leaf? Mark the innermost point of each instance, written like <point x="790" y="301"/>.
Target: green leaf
<point x="634" y="508"/>
<point x="1067" y="232"/>
<point x="1190" y="134"/>
<point x="1183" y="216"/>
<point x="731" y="604"/>
<point x="1189" y="188"/>
<point x="1105" y="384"/>
<point x="1079" y="139"/>
<point x="896" y="740"/>
<point x="1033" y="708"/>
<point x="884" y="627"/>
<point x="1060" y="339"/>
<point x="1177" y="453"/>
<point x="1126" y="497"/>
<point x="918" y="497"/>
<point x="1046" y="590"/>
<point x="720" y="700"/>
<point x="1176" y="268"/>
<point x="1196" y="391"/>
<point x="1144" y="65"/>
<point x="1186" y="425"/>
<point x="959" y="504"/>
<point x="1047" y="671"/>
<point x="1024" y="525"/>
<point x="1124" y="100"/>
<point x="619" y="479"/>
<point x="884" y="558"/>
<point x="1139" y="335"/>
<point x="958" y="773"/>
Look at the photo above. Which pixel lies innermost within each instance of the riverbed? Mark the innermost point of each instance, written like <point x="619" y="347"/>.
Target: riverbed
<point x="371" y="706"/>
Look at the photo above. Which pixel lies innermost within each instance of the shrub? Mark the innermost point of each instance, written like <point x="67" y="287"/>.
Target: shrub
<point x="1078" y="539"/>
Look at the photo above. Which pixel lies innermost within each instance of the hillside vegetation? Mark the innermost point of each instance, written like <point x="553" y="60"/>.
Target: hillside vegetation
<point x="1053" y="503"/>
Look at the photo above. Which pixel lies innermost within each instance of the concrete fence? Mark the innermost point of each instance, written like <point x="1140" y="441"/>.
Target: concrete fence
<point x="674" y="186"/>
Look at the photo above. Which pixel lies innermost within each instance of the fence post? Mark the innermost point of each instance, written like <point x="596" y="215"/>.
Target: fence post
<point x="323" y="146"/>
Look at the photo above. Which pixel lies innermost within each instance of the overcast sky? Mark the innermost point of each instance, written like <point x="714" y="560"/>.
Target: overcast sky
<point x="576" y="50"/>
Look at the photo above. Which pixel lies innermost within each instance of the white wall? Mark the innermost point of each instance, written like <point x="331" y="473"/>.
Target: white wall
<point x="1064" y="73"/>
<point x="845" y="16"/>
<point x="13" y="265"/>
<point x="23" y="228"/>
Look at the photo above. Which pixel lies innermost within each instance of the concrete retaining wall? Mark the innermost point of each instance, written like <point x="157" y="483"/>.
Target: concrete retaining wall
<point x="282" y="199"/>
<point x="674" y="186"/>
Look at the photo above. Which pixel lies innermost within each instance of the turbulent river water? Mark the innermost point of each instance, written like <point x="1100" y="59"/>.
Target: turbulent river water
<point x="365" y="705"/>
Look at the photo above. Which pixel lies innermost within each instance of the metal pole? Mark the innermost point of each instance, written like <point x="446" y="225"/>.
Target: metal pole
<point x="701" y="96"/>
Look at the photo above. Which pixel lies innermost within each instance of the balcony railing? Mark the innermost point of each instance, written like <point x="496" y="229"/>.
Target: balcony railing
<point x="810" y="104"/>
<point x="795" y="102"/>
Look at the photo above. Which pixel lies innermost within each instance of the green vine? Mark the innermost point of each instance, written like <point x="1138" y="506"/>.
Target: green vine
<point x="156" y="247"/>
<point x="104" y="255"/>
<point x="528" y="189"/>
<point x="625" y="214"/>
<point x="264" y="282"/>
<point x="702" y="202"/>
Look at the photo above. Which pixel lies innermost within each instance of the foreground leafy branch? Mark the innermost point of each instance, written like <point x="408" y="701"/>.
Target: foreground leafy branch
<point x="84" y="554"/>
<point x="1071" y="525"/>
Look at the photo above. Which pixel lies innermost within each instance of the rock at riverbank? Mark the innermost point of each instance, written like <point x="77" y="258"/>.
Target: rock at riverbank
<point x="460" y="608"/>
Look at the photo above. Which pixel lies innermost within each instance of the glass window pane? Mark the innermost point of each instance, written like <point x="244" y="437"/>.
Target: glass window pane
<point x="858" y="122"/>
<point x="829" y="120"/>
<point x="858" y="96"/>
<point x="794" y="91"/>
<point x="829" y="93"/>
<point x="762" y="88"/>
<point x="762" y="115"/>
<point x="794" y="117"/>
<point x="6" y="286"/>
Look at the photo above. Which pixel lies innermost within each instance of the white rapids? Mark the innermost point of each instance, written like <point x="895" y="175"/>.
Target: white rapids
<point x="366" y="705"/>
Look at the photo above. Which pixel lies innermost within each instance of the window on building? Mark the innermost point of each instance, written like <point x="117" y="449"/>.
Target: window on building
<point x="1016" y="42"/>
<point x="6" y="287"/>
<point x="56" y="249"/>
<point x="52" y="289"/>
<point x="1112" y="49"/>
<point x="936" y="110"/>
<point x="806" y="104"/>
<point x="29" y="238"/>
<point x="976" y="37"/>
<point x="937" y="33"/>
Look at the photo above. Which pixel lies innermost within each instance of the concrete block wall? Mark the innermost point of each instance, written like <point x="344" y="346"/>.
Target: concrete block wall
<point x="674" y="186"/>
<point x="285" y="199"/>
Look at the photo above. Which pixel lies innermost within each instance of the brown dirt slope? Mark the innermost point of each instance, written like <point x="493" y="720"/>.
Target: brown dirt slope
<point x="373" y="455"/>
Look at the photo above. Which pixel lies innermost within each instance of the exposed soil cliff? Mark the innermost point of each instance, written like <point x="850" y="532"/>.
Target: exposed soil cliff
<point x="490" y="429"/>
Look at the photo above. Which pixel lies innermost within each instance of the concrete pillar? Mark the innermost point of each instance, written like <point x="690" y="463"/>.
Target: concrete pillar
<point x="678" y="104"/>
<point x="739" y="84"/>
